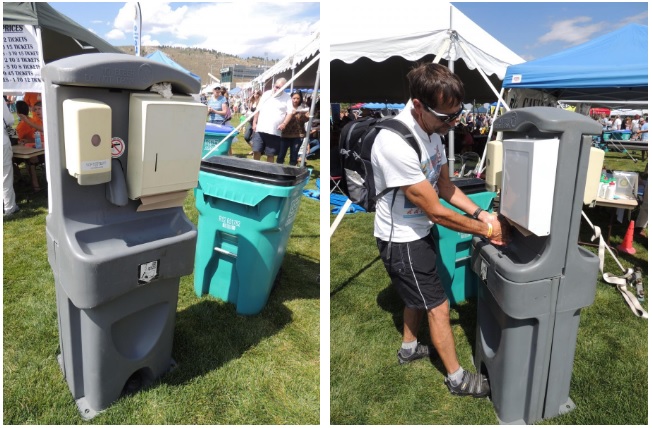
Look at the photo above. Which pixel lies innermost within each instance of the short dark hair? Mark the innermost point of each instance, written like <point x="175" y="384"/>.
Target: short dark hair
<point x="22" y="107"/>
<point x="217" y="88"/>
<point x="435" y="85"/>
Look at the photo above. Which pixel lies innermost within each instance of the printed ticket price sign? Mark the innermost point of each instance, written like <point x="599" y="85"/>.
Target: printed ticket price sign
<point x="21" y="71"/>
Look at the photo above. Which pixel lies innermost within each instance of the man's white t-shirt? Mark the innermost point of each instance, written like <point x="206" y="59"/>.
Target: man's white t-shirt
<point x="396" y="164"/>
<point x="616" y="125"/>
<point x="272" y="112"/>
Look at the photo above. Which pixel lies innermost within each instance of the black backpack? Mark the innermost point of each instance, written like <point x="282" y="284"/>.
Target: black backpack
<point x="356" y="141"/>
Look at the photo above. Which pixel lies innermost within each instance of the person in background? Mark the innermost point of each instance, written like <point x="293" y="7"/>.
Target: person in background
<point x="11" y="102"/>
<point x="636" y="126"/>
<point x="252" y="105"/>
<point x="268" y="122"/>
<point x="26" y="131"/>
<point x="217" y="107"/>
<point x="227" y="114"/>
<point x="313" y="141"/>
<point x="254" y="100"/>
<point x="616" y="123"/>
<point x="10" y="206"/>
<point x="225" y="95"/>
<point x="404" y="218"/>
<point x="627" y="124"/>
<point x="31" y="98"/>
<point x="294" y="131"/>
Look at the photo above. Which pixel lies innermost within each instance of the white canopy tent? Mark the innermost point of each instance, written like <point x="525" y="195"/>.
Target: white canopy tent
<point x="369" y="50"/>
<point x="370" y="58"/>
<point x="286" y="67"/>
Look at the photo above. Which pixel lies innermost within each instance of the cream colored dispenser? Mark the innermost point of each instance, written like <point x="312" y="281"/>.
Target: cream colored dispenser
<point x="87" y="135"/>
<point x="164" y="153"/>
<point x="494" y="175"/>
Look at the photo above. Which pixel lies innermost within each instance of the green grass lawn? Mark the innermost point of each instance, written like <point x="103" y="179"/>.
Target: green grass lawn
<point x="232" y="369"/>
<point x="609" y="384"/>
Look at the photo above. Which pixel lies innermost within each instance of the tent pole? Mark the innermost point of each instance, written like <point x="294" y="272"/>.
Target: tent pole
<point x="451" y="135"/>
<point x="451" y="132"/>
<point x="306" y="139"/>
<point x="478" y="167"/>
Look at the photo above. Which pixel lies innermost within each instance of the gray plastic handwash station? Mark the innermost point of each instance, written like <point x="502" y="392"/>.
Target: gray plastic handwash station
<point x="121" y="159"/>
<point x="531" y="292"/>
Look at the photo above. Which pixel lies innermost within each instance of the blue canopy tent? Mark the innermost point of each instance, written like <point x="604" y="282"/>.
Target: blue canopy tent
<point x="590" y="72"/>
<point x="159" y="56"/>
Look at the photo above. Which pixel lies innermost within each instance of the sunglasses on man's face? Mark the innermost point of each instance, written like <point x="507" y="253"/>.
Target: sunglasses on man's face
<point x="446" y="118"/>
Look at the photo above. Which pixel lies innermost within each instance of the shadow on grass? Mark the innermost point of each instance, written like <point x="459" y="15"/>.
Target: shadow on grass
<point x="390" y="301"/>
<point x="210" y="333"/>
<point x="354" y="276"/>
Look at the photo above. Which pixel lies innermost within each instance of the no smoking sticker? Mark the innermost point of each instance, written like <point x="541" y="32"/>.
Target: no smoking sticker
<point x="147" y="272"/>
<point x="117" y="147"/>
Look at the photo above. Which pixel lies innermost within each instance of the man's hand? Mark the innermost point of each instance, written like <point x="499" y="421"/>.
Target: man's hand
<point x="500" y="233"/>
<point x="486" y="217"/>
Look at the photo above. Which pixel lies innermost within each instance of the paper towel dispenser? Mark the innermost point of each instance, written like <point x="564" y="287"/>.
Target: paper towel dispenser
<point x="165" y="138"/>
<point x="528" y="184"/>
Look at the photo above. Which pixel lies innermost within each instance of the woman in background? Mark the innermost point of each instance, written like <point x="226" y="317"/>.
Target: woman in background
<point x="294" y="132"/>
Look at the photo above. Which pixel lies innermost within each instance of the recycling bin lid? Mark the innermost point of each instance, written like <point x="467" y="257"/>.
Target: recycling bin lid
<point x="255" y="171"/>
<point x="214" y="128"/>
<point x="469" y="185"/>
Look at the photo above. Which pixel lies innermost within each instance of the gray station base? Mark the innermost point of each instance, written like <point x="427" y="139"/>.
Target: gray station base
<point x="525" y="344"/>
<point x="119" y="347"/>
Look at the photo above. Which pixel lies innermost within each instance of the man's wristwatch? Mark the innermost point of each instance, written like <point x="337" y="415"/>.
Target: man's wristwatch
<point x="477" y="212"/>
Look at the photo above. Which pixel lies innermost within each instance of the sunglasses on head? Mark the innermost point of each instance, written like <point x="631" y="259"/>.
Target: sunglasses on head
<point x="446" y="118"/>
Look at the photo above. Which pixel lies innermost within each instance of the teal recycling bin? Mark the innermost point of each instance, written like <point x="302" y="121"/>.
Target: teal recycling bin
<point x="454" y="256"/>
<point x="213" y="135"/>
<point x="246" y="212"/>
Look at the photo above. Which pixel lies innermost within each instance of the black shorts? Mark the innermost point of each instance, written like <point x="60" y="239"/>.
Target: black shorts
<point x="268" y="144"/>
<point x="413" y="270"/>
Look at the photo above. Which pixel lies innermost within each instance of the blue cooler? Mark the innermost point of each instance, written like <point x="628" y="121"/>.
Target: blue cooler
<point x="621" y="135"/>
<point x="212" y="137"/>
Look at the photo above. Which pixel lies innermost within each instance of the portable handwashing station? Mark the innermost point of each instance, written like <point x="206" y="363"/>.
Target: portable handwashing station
<point x="121" y="160"/>
<point x="532" y="291"/>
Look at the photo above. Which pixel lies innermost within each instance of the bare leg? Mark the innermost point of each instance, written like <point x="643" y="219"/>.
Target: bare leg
<point x="270" y="159"/>
<point x="256" y="155"/>
<point x="441" y="335"/>
<point x="32" y="173"/>
<point x="411" y="320"/>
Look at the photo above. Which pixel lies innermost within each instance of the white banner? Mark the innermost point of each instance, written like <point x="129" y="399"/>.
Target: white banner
<point x="21" y="71"/>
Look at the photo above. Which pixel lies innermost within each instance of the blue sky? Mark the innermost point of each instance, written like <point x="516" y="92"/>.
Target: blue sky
<point x="531" y="30"/>
<point x="272" y="30"/>
<point x="534" y="30"/>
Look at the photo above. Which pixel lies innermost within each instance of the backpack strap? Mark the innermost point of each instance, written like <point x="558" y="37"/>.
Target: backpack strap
<point x="406" y="134"/>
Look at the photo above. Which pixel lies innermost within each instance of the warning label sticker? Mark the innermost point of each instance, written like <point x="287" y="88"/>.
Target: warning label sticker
<point x="117" y="147"/>
<point x="147" y="272"/>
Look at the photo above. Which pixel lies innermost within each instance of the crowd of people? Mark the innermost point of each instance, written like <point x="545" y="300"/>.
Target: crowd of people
<point x="637" y="125"/>
<point x="279" y="122"/>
